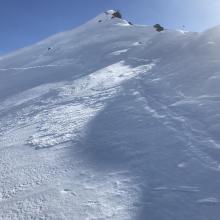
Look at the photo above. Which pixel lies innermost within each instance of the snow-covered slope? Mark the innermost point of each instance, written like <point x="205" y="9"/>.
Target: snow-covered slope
<point x="112" y="121"/>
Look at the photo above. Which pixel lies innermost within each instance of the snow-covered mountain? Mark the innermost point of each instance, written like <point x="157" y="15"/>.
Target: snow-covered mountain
<point x="112" y="121"/>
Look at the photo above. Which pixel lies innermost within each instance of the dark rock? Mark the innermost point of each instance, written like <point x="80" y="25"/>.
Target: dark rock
<point x="158" y="27"/>
<point x="117" y="14"/>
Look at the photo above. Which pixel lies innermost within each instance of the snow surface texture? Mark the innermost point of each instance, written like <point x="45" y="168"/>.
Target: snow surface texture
<point x="112" y="122"/>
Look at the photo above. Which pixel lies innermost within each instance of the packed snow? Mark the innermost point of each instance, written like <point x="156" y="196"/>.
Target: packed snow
<point x="112" y="121"/>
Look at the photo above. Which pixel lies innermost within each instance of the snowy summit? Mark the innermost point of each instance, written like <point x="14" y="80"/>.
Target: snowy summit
<point x="112" y="121"/>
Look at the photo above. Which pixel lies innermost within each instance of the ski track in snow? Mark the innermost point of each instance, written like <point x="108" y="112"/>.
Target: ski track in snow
<point x="30" y="67"/>
<point x="193" y="137"/>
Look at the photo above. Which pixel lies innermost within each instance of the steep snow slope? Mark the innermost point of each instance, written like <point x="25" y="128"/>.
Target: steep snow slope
<point x="112" y="121"/>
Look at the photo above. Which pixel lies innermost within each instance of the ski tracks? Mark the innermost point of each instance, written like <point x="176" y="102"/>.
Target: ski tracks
<point x="192" y="137"/>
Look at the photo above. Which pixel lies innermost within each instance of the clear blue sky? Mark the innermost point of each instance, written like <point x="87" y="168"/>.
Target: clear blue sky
<point x="23" y="22"/>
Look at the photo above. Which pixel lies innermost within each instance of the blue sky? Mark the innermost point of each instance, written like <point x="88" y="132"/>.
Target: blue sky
<point x="24" y="22"/>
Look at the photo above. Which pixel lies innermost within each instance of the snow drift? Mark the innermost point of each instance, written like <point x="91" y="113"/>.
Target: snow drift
<point x="112" y="121"/>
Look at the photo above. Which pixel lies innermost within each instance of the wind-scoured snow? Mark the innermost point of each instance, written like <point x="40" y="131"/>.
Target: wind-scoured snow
<point x="112" y="121"/>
